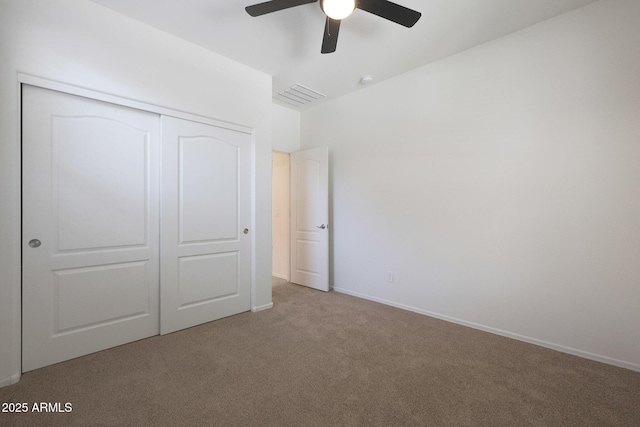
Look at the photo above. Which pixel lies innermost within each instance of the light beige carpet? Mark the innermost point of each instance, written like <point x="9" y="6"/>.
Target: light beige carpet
<point x="328" y="359"/>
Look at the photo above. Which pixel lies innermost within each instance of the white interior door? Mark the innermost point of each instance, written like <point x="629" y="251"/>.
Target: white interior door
<point x="309" y="218"/>
<point x="90" y="226"/>
<point x="205" y="249"/>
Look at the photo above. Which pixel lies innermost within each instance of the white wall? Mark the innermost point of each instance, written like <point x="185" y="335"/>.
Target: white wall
<point x="83" y="44"/>
<point x="281" y="193"/>
<point x="501" y="185"/>
<point x="286" y="129"/>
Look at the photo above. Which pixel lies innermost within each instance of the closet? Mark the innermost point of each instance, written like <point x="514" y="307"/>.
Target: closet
<point x="134" y="224"/>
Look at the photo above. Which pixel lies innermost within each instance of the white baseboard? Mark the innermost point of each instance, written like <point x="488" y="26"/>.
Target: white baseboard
<point x="541" y="343"/>
<point x="10" y="380"/>
<point x="262" y="307"/>
<point x="281" y="276"/>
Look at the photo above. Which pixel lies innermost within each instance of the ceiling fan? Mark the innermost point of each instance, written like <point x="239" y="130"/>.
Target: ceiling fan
<point x="336" y="10"/>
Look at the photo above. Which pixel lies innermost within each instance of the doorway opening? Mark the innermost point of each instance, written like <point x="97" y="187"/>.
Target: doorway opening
<point x="300" y="212"/>
<point x="281" y="207"/>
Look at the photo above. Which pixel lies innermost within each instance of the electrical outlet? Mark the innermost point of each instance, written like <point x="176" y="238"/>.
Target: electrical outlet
<point x="390" y="276"/>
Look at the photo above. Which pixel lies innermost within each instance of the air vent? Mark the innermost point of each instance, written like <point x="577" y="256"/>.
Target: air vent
<point x="299" y="95"/>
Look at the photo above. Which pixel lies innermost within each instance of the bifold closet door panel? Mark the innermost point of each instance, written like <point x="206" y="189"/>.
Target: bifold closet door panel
<point x="90" y="225"/>
<point x="205" y="235"/>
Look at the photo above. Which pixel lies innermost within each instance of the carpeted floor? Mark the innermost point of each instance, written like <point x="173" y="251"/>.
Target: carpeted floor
<point x="328" y="359"/>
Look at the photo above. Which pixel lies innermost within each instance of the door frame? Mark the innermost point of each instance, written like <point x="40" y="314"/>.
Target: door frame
<point x="25" y="79"/>
<point x="289" y="218"/>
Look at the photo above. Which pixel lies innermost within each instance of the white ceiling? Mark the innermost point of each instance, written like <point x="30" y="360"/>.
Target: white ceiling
<point x="286" y="44"/>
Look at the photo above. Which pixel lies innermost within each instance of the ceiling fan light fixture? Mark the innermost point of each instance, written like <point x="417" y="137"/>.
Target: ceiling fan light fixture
<point x="338" y="9"/>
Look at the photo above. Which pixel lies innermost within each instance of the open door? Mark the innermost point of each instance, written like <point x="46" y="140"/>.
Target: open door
<point x="309" y="218"/>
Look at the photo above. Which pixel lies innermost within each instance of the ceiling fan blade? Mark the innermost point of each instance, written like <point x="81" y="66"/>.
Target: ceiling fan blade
<point x="330" y="39"/>
<point x="391" y="11"/>
<point x="274" y="6"/>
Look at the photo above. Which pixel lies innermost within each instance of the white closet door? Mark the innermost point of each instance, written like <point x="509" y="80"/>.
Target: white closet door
<point x="205" y="251"/>
<point x="90" y="226"/>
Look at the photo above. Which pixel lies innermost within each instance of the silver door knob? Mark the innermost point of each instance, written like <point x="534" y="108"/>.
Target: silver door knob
<point x="245" y="231"/>
<point x="34" y="243"/>
<point x="321" y="226"/>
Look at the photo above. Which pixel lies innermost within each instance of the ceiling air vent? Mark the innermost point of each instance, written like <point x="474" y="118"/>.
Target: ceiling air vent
<point x="299" y="95"/>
